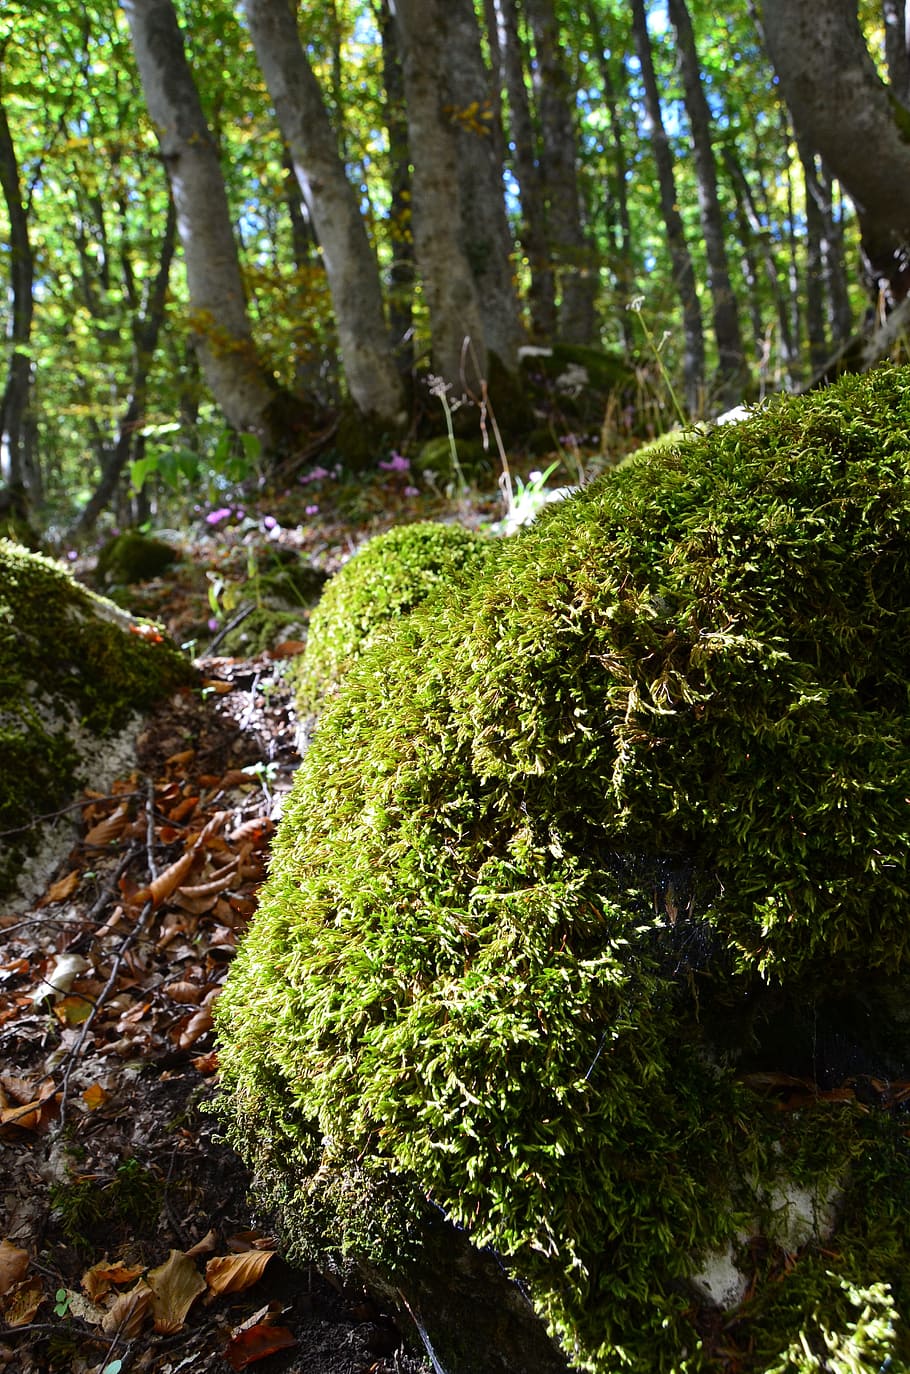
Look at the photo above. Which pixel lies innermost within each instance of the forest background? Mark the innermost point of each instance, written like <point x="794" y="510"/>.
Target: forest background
<point x="237" y="233"/>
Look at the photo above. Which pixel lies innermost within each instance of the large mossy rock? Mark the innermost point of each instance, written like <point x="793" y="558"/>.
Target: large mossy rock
<point x="133" y="557"/>
<point x="587" y="929"/>
<point x="74" y="670"/>
<point x="386" y="579"/>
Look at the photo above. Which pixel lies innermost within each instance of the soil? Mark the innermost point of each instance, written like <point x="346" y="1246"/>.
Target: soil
<point x="118" y="1201"/>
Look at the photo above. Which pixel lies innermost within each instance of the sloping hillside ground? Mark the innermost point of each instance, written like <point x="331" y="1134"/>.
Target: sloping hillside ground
<point x="126" y="1238"/>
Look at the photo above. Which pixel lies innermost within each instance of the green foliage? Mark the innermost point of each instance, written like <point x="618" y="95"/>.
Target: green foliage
<point x="83" y="1207"/>
<point x="387" y="578"/>
<point x="573" y="850"/>
<point x="68" y="669"/>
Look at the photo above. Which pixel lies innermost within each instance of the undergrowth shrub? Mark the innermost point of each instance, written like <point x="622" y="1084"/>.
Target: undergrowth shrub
<point x="588" y="914"/>
<point x="390" y="575"/>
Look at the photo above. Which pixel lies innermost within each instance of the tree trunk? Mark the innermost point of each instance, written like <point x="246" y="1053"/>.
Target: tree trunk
<point x="145" y="339"/>
<point x="845" y="112"/>
<point x="749" y="210"/>
<point x="14" y="468"/>
<point x="485" y="229"/>
<point x="683" y="271"/>
<point x="819" y="350"/>
<point x="245" y="392"/>
<point x="572" y="254"/>
<point x="350" y="264"/>
<point x="732" y="375"/>
<point x="897" y="47"/>
<point x="624" y="263"/>
<point x="448" y="283"/>
<point x="542" y="290"/>
<point x="402" y="275"/>
<point x="840" y="312"/>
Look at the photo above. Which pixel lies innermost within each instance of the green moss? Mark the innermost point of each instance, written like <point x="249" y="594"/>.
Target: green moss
<point x="133" y="557"/>
<point x="387" y="578"/>
<point x="587" y="861"/>
<point x="67" y="666"/>
<point x="435" y="457"/>
<point x="262" y="629"/>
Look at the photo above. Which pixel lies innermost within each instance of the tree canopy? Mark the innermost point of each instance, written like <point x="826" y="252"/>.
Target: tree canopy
<point x="318" y="217"/>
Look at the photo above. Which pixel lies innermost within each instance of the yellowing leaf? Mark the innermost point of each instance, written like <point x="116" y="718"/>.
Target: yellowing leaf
<point x="233" y="1273"/>
<point x="95" y="1096"/>
<point x="72" y="1011"/>
<point x="13" y="1265"/>
<point x="175" y="1286"/>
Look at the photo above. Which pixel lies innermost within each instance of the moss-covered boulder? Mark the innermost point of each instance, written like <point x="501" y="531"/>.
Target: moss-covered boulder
<point x="74" y="669"/>
<point x="133" y="557"/>
<point x="434" y="458"/>
<point x="588" y="927"/>
<point x="390" y="575"/>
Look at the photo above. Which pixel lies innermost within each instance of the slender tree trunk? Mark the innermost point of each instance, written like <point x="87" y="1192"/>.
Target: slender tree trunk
<point x="402" y="275"/>
<point x="14" y="473"/>
<point x="350" y="264"/>
<point x="815" y="262"/>
<point x="246" y="393"/>
<point x="446" y="276"/>
<point x="542" y="290"/>
<point x="840" y="312"/>
<point x="624" y="263"/>
<point x="896" y="17"/>
<point x="146" y="331"/>
<point x="485" y="229"/>
<point x="683" y="271"/>
<point x="731" y="372"/>
<point x="572" y="253"/>
<point x="760" y="238"/>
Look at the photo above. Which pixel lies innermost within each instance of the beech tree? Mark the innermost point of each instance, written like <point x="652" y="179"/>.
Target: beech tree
<point x="244" y="389"/>
<point x="350" y="264"/>
<point x="17" y="471"/>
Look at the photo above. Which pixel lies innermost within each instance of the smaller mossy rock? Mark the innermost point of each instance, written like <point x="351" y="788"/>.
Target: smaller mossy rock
<point x="75" y="669"/>
<point x="588" y="925"/>
<point x="264" y="627"/>
<point x="284" y="577"/>
<point x="133" y="557"/>
<point x="435" y="457"/>
<point x="387" y="578"/>
<point x="581" y="378"/>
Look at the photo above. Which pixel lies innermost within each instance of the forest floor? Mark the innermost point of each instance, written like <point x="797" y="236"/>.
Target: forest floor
<point x="127" y="1241"/>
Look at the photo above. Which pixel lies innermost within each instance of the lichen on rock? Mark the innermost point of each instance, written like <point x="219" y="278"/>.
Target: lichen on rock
<point x="587" y="926"/>
<point x="74" y="671"/>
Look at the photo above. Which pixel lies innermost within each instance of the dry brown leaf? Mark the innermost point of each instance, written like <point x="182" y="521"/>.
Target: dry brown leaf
<point x="255" y="1342"/>
<point x="128" y="1311"/>
<point x="204" y="1246"/>
<point x="195" y="1028"/>
<point x="183" y="992"/>
<point x="241" y="1241"/>
<point x="111" y="828"/>
<point x="183" y="809"/>
<point x="61" y="889"/>
<point x="23" y="1302"/>
<point x="206" y="1063"/>
<point x="234" y="1273"/>
<point x="288" y="648"/>
<point x="13" y="1265"/>
<point x="257" y="829"/>
<point x="167" y="882"/>
<point x="99" y="1280"/>
<point x="175" y="1286"/>
<point x="215" y="684"/>
<point x="179" y="760"/>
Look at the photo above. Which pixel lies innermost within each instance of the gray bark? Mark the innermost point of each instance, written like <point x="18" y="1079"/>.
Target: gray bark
<point x="233" y="372"/>
<point x="350" y="264"/>
<point x="683" y="271"/>
<point x="572" y="253"/>
<point x="624" y="262"/>
<point x="896" y="17"/>
<point x="402" y="273"/>
<point x="14" y="467"/>
<point x="485" y="229"/>
<point x="815" y="264"/>
<point x="542" y="291"/>
<point x="448" y="283"/>
<point x="847" y="114"/>
<point x="731" y="372"/>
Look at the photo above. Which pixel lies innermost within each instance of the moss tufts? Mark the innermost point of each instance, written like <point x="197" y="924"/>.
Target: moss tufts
<point x="133" y="557"/>
<point x="592" y="870"/>
<point x="387" y="578"/>
<point x="69" y="670"/>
